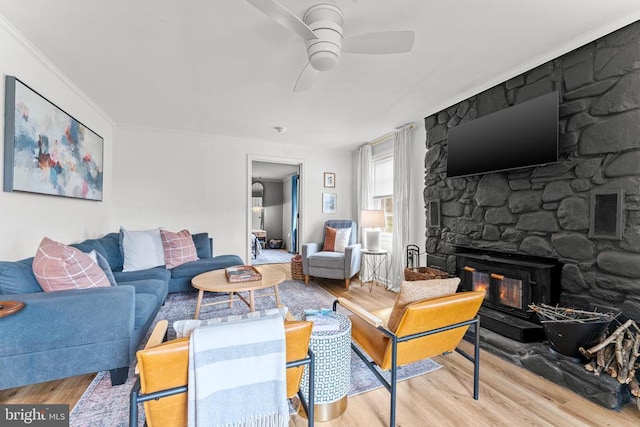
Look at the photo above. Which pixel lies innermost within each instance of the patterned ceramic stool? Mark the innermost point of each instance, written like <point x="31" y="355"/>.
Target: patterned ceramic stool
<point x="332" y="350"/>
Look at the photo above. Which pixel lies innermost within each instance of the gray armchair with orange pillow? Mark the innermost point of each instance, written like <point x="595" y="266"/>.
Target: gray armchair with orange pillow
<point x="414" y="330"/>
<point x="332" y="259"/>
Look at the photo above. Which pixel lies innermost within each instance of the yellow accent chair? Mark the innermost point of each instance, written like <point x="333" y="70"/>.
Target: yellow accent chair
<point x="163" y="372"/>
<point x="427" y="328"/>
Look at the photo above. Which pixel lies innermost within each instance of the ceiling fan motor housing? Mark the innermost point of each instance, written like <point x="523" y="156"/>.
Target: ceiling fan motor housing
<point x="326" y="21"/>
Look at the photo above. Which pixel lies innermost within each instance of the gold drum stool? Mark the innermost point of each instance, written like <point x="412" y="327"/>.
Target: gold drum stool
<point x="332" y="350"/>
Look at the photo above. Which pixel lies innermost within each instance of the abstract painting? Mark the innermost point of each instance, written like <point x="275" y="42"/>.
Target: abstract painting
<point x="46" y="150"/>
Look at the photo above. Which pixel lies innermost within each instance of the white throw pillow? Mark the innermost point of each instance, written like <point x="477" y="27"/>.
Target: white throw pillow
<point x="342" y="239"/>
<point x="141" y="249"/>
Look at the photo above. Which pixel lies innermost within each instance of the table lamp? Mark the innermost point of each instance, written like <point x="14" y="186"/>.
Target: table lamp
<point x="373" y="220"/>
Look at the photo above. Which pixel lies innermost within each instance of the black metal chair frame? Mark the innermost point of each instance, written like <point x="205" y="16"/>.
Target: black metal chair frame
<point x="392" y="385"/>
<point x="137" y="398"/>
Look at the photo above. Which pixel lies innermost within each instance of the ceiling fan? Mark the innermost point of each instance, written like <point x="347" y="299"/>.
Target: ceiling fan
<point x="321" y="29"/>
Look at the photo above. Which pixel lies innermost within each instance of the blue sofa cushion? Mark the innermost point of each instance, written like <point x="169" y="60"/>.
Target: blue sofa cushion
<point x="111" y="244"/>
<point x="107" y="246"/>
<point x="159" y="273"/>
<point x="17" y="277"/>
<point x="146" y="304"/>
<point x="203" y="246"/>
<point x="155" y="287"/>
<point x="90" y="245"/>
<point x="191" y="269"/>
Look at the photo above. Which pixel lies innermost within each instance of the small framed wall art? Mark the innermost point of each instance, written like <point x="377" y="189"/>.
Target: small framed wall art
<point x="46" y="150"/>
<point x="329" y="180"/>
<point x="329" y="201"/>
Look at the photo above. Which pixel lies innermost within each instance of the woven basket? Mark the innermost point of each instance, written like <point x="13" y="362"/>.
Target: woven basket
<point x="296" y="268"/>
<point x="424" y="273"/>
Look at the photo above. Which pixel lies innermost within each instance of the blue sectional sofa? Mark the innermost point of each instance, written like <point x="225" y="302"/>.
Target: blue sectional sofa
<point x="67" y="333"/>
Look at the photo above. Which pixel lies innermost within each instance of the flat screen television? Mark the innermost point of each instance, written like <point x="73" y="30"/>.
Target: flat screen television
<point x="523" y="135"/>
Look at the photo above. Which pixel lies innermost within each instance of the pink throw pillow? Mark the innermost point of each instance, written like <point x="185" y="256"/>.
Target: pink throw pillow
<point x="178" y="248"/>
<point x="59" y="267"/>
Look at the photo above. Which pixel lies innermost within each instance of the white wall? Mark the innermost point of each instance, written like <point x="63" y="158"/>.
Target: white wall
<point x="26" y="218"/>
<point x="201" y="182"/>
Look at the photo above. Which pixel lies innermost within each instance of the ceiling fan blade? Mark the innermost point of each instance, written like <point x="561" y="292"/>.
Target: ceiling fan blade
<point x="284" y="17"/>
<point x="306" y="79"/>
<point x="380" y="43"/>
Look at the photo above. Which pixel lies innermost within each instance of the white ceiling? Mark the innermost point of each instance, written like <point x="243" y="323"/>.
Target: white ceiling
<point x="222" y="67"/>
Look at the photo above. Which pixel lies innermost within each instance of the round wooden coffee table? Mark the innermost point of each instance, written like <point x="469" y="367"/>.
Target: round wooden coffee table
<point x="216" y="281"/>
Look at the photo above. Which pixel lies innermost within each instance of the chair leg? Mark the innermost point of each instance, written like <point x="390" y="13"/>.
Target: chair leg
<point x="133" y="405"/>
<point x="346" y="284"/>
<point x="306" y="279"/>
<point x="394" y="381"/>
<point x="476" y="361"/>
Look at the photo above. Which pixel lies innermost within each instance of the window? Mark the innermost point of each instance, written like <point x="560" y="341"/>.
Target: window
<point x="383" y="188"/>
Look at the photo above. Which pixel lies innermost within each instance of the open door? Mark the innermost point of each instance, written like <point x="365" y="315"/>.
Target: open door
<point x="277" y="239"/>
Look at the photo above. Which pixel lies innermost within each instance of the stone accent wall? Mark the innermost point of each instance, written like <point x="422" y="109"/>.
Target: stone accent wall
<point x="545" y="211"/>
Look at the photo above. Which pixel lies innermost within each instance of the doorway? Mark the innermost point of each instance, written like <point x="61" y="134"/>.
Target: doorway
<point x="274" y="217"/>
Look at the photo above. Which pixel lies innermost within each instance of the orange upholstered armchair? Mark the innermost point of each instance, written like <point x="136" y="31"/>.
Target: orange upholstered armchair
<point x="163" y="372"/>
<point x="426" y="328"/>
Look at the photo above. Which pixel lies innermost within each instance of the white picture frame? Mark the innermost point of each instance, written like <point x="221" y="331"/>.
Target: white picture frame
<point x="329" y="202"/>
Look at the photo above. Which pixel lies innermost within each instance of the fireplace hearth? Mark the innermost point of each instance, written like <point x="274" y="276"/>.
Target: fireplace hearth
<point x="511" y="282"/>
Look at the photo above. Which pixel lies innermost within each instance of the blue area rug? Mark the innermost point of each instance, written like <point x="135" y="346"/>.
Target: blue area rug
<point x="105" y="406"/>
<point x="272" y="256"/>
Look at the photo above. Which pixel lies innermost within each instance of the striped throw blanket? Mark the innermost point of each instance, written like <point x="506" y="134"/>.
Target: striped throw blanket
<point x="237" y="374"/>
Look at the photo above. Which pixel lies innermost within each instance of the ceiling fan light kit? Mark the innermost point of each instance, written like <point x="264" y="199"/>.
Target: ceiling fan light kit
<point x="321" y="28"/>
<point x="326" y="22"/>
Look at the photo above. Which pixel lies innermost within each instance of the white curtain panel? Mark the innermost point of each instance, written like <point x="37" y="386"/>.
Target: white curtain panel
<point x="364" y="181"/>
<point x="364" y="199"/>
<point x="401" y="173"/>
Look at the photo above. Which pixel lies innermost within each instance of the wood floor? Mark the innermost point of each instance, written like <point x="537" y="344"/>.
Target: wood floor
<point x="509" y="395"/>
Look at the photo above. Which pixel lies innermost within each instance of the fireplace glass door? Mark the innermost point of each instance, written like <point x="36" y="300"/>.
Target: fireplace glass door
<point x="509" y="291"/>
<point x="481" y="282"/>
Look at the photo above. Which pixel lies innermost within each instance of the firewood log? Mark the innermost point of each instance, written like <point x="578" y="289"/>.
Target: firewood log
<point x="634" y="387"/>
<point x="635" y="351"/>
<point x="631" y="375"/>
<point x="585" y="353"/>
<point x="611" y="357"/>
<point x="619" y="340"/>
<point x="624" y="360"/>
<point x="604" y="356"/>
<point x="614" y="336"/>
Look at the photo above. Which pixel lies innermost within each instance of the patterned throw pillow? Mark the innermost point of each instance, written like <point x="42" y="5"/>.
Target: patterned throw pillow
<point x="335" y="239"/>
<point x="178" y="248"/>
<point x="141" y="249"/>
<point x="419" y="290"/>
<point x="59" y="267"/>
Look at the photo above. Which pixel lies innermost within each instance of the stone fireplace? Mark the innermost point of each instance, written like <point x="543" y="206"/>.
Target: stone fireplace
<point x="580" y="215"/>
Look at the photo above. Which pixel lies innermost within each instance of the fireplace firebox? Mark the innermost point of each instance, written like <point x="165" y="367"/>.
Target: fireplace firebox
<point x="511" y="283"/>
